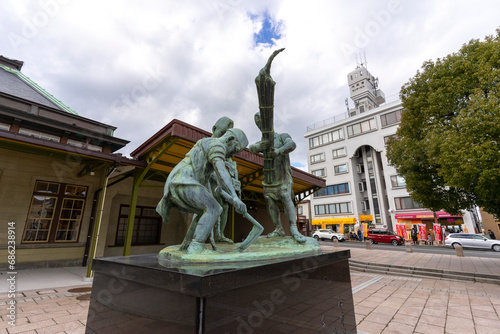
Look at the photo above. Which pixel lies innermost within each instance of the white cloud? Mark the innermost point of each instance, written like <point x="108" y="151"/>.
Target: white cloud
<point x="137" y="65"/>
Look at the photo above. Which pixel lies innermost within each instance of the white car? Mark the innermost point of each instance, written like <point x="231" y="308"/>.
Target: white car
<point x="328" y="235"/>
<point x="467" y="240"/>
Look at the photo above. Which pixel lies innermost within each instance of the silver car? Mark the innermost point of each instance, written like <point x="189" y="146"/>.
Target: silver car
<point x="467" y="240"/>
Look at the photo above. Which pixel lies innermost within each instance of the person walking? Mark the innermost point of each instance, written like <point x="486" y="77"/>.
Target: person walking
<point x="360" y="235"/>
<point x="429" y="238"/>
<point x="414" y="234"/>
<point x="492" y="235"/>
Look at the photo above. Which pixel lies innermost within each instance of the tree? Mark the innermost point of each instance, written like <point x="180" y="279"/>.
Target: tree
<point x="447" y="146"/>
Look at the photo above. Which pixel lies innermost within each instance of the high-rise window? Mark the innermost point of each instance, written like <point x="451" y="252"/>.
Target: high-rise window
<point x="339" y="152"/>
<point x="407" y="202"/>
<point x="326" y="138"/>
<point x="391" y="118"/>
<point x="398" y="181"/>
<point x="341" y="169"/>
<point x="335" y="189"/>
<point x="333" y="208"/>
<point x="317" y="158"/>
<point x="362" y="127"/>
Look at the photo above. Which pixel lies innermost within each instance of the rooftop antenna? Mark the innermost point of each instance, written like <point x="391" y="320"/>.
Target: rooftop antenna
<point x="366" y="63"/>
<point x="347" y="104"/>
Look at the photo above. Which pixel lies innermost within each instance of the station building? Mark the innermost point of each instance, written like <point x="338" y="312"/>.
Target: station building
<point x="67" y="196"/>
<point x="349" y="152"/>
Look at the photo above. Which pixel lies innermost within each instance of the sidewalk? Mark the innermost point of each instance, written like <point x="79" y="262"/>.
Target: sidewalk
<point x="48" y="303"/>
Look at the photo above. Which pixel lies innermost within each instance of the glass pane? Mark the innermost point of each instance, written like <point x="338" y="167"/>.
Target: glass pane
<point x="42" y="236"/>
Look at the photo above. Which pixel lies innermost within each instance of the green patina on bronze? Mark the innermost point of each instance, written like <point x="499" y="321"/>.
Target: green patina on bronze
<point x="206" y="181"/>
<point x="262" y="249"/>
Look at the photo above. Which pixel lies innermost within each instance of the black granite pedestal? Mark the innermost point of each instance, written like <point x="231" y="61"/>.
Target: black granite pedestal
<point x="141" y="294"/>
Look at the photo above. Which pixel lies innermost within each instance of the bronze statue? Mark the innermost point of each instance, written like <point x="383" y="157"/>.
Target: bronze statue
<point x="278" y="182"/>
<point x="188" y="186"/>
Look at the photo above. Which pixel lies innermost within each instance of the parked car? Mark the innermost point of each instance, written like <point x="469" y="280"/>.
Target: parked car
<point x="384" y="235"/>
<point x="468" y="240"/>
<point x="328" y="235"/>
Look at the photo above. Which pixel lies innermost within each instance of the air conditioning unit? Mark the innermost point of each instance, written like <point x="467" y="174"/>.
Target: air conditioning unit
<point x="361" y="187"/>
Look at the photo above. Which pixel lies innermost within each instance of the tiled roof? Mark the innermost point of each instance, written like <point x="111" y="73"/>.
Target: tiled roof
<point x="17" y="84"/>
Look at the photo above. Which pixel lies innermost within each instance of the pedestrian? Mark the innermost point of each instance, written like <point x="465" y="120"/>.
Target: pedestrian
<point x="360" y="235"/>
<point x="414" y="234"/>
<point x="429" y="238"/>
<point x="492" y="235"/>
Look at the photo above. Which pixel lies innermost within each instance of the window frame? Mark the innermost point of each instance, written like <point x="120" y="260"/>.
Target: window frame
<point x="333" y="190"/>
<point x="360" y="128"/>
<point x="395" y="181"/>
<point x="325" y="209"/>
<point x="338" y="172"/>
<point x="323" y="174"/>
<point x="321" y="158"/>
<point x="139" y="214"/>
<point x="336" y="155"/>
<point x="398" y="202"/>
<point x="61" y="215"/>
<point x="397" y="118"/>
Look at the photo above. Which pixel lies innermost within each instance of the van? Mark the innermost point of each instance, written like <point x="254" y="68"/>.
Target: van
<point x="384" y="235"/>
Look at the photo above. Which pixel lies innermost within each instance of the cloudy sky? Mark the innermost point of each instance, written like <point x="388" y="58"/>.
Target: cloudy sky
<point x="139" y="64"/>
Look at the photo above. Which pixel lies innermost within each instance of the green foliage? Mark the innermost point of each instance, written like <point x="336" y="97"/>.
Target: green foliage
<point x="448" y="143"/>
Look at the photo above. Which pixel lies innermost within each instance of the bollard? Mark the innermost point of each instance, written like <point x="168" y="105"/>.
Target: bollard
<point x="408" y="247"/>
<point x="335" y="242"/>
<point x="368" y="244"/>
<point x="459" y="249"/>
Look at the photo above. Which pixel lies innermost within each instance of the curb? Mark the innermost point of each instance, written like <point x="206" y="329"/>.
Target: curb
<point x="357" y="265"/>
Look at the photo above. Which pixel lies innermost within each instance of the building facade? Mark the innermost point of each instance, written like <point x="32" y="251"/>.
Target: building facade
<point x="361" y="185"/>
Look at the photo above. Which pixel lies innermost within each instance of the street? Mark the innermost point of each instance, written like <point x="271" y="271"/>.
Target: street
<point x="420" y="249"/>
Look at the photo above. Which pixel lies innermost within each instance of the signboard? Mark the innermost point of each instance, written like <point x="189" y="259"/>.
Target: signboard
<point x="422" y="232"/>
<point x="437" y="232"/>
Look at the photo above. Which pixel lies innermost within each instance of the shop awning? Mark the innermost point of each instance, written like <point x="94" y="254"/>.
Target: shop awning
<point x="334" y="221"/>
<point x="424" y="215"/>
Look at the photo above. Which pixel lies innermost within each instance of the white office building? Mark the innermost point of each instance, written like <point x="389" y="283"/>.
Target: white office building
<point x="349" y="151"/>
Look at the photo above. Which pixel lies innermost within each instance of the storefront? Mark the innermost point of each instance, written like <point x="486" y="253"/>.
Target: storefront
<point x="339" y="225"/>
<point x="425" y="223"/>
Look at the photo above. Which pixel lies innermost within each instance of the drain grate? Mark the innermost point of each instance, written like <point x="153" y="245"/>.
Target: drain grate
<point x="84" y="297"/>
<point x="79" y="290"/>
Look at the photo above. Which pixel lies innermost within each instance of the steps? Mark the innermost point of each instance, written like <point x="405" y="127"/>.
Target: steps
<point x="388" y="269"/>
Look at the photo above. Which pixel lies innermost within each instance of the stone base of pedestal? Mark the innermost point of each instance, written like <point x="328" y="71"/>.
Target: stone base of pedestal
<point x="144" y="294"/>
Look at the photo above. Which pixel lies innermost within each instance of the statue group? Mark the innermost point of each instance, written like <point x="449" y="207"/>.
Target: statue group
<point x="206" y="181"/>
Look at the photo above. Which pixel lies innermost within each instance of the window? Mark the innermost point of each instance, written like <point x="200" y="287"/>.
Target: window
<point x="363" y="205"/>
<point x="147" y="226"/>
<point x="332" y="208"/>
<point x="336" y="189"/>
<point x="82" y="144"/>
<point x="38" y="134"/>
<point x="55" y="213"/>
<point x="386" y="138"/>
<point x="317" y="158"/>
<point x="340" y="169"/>
<point x="340" y="152"/>
<point x="397" y="181"/>
<point x="77" y="143"/>
<point x="4" y="126"/>
<point x="360" y="169"/>
<point x="326" y="138"/>
<point x="362" y="127"/>
<point x="319" y="172"/>
<point x="403" y="203"/>
<point x="391" y="118"/>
